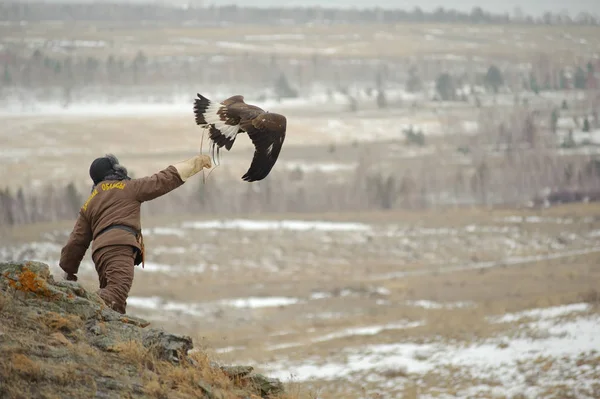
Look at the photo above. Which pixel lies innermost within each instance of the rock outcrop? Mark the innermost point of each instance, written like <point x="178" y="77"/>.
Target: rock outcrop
<point x="65" y="339"/>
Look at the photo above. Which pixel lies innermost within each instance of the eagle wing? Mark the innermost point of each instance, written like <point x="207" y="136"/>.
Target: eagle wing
<point x="223" y="124"/>
<point x="267" y="132"/>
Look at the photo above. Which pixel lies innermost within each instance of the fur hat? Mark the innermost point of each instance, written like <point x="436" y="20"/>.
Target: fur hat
<point x="107" y="168"/>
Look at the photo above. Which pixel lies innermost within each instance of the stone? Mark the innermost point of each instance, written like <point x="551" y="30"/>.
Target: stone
<point x="111" y="333"/>
<point x="107" y="314"/>
<point x="26" y="277"/>
<point x="51" y="352"/>
<point x="170" y="347"/>
<point x="79" y="306"/>
<point x="266" y="385"/>
<point x="59" y="338"/>
<point x="103" y="343"/>
<point x="71" y="287"/>
<point x="206" y="388"/>
<point x="111" y="384"/>
<point x="136" y="321"/>
<point x="94" y="327"/>
<point x="13" y="268"/>
<point x="237" y="371"/>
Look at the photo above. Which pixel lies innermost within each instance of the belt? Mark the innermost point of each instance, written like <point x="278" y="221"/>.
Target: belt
<point x="136" y="233"/>
<point x="119" y="226"/>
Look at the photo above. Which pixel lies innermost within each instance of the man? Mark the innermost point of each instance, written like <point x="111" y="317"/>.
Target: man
<point x="110" y="217"/>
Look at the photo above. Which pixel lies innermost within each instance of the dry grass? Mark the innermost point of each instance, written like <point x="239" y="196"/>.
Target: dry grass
<point x="132" y="352"/>
<point x="67" y="374"/>
<point x="194" y="377"/>
<point x="29" y="369"/>
<point x="3" y="301"/>
<point x="155" y="389"/>
<point x="457" y="324"/>
<point x="67" y="324"/>
<point x="592" y="296"/>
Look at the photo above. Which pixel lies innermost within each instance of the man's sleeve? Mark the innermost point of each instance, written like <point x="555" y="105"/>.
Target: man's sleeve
<point x="151" y="187"/>
<point x="78" y="243"/>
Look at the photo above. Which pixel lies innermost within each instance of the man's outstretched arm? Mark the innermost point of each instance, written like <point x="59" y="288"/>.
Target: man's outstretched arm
<point x="160" y="183"/>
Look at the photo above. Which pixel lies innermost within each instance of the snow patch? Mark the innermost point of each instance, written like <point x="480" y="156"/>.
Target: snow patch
<point x="259" y="302"/>
<point x="320" y="167"/>
<point x="535" y="219"/>
<point x="295" y="225"/>
<point x="163" y="231"/>
<point x="369" y="330"/>
<point x="542" y="313"/>
<point x="160" y="305"/>
<point x="438" y="305"/>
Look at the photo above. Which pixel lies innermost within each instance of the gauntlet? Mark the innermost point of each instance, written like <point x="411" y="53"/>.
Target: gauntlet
<point x="190" y="167"/>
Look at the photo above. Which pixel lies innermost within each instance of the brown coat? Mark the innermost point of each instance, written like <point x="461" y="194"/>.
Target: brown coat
<point x="110" y="203"/>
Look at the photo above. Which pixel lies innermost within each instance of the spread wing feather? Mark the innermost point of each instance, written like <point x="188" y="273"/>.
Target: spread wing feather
<point x="267" y="132"/>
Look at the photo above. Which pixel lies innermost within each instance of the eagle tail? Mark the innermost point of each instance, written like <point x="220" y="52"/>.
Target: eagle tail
<point x="207" y="114"/>
<point x="219" y="138"/>
<point x="201" y="105"/>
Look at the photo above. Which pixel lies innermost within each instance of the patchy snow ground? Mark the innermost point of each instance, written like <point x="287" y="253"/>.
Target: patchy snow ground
<point x="161" y="305"/>
<point x="537" y="349"/>
<point x="196" y="246"/>
<point x="295" y="225"/>
<point x="262" y="302"/>
<point x="323" y="167"/>
<point x="543" y="313"/>
<point x="504" y="366"/>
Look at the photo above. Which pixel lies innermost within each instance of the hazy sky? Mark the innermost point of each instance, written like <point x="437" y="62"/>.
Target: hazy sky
<point x="533" y="7"/>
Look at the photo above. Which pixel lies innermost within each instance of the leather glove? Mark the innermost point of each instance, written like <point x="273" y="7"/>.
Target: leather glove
<point x="190" y="167"/>
<point x="69" y="277"/>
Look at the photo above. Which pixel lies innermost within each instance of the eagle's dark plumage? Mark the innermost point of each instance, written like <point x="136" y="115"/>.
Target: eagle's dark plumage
<point x="226" y="119"/>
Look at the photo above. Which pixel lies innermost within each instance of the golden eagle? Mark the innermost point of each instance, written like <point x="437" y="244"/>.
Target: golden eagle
<point x="226" y="119"/>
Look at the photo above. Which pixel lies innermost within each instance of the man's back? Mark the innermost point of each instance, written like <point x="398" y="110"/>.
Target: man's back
<point x="110" y="218"/>
<point x="115" y="203"/>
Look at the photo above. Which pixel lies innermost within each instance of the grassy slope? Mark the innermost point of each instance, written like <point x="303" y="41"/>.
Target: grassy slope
<point x="48" y="351"/>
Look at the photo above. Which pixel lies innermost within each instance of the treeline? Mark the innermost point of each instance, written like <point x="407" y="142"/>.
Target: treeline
<point x="42" y="69"/>
<point x="489" y="183"/>
<point x="50" y="204"/>
<point x="450" y="87"/>
<point x="510" y="162"/>
<point x="47" y="76"/>
<point x="39" y="11"/>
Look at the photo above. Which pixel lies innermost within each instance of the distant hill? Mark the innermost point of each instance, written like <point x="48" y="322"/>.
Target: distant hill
<point x="268" y="13"/>
<point x="530" y="7"/>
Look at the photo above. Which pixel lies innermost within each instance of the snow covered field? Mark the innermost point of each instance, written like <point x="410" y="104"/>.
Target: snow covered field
<point x="198" y="245"/>
<point x="530" y="359"/>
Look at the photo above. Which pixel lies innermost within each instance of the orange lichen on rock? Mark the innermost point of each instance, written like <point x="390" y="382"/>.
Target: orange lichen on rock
<point x="28" y="281"/>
